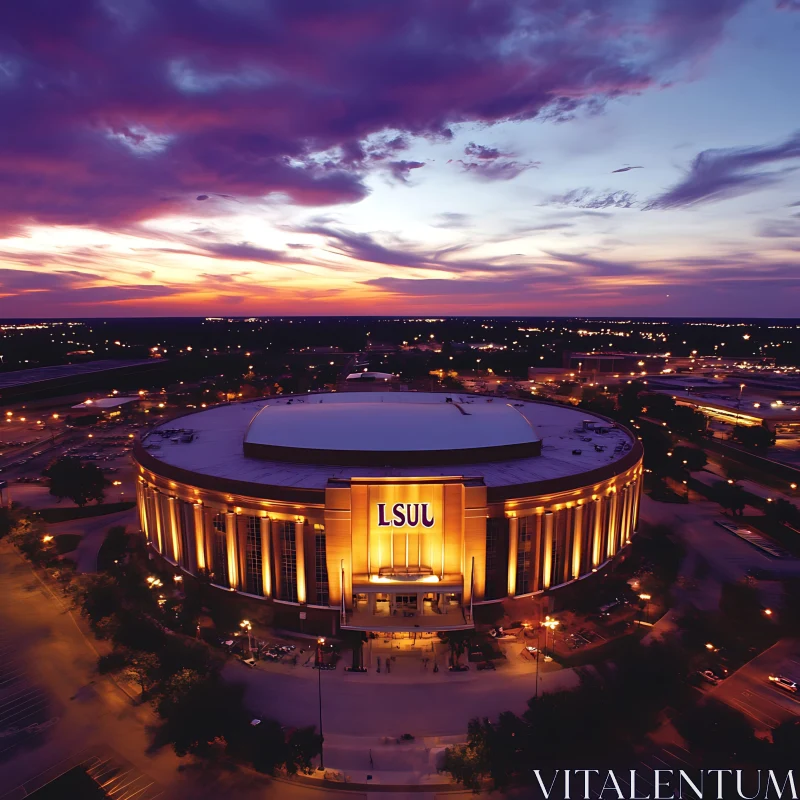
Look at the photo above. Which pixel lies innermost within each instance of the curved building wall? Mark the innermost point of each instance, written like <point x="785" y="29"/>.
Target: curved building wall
<point x="308" y="549"/>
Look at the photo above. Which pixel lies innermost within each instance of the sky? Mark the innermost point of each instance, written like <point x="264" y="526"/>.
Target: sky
<point x="475" y="157"/>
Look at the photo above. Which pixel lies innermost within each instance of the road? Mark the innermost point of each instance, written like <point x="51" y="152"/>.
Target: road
<point x="749" y="690"/>
<point x="407" y="700"/>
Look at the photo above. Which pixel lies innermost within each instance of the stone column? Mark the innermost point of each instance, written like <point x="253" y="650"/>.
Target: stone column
<point x="624" y="533"/>
<point x="174" y="524"/>
<point x="266" y="563"/>
<point x="513" y="545"/>
<point x="200" y="536"/>
<point x="233" y="564"/>
<point x="156" y="501"/>
<point x="548" y="549"/>
<point x="300" y="559"/>
<point x="577" y="539"/>
<point x="597" y="533"/>
<point x="142" y="507"/>
<point x="637" y="494"/>
<point x="612" y="501"/>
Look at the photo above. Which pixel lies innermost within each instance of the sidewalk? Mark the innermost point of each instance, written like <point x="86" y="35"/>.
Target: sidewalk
<point x="394" y="763"/>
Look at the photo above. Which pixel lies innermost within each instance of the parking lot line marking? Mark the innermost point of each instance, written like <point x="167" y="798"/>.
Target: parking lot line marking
<point x="744" y="708"/>
<point x="12" y="697"/>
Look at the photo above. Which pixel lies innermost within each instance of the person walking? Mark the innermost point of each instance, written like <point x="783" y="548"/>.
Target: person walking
<point x="371" y="762"/>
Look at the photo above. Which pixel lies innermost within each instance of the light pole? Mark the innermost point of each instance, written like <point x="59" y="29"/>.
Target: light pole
<point x="645" y="598"/>
<point x="320" y="642"/>
<point x="245" y="625"/>
<point x="550" y="624"/>
<point x="738" y="404"/>
<point x="538" y="656"/>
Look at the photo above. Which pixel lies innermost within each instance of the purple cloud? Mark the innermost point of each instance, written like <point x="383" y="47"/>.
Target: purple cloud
<point x="720" y="174"/>
<point x="482" y="152"/>
<point x="400" y="170"/>
<point x="129" y="111"/>
<point x="491" y="164"/>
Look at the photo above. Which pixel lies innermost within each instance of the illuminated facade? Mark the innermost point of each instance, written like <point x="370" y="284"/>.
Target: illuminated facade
<point x="393" y="511"/>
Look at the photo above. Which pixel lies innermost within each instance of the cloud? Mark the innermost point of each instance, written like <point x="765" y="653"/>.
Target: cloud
<point x="451" y="219"/>
<point x="129" y="111"/>
<point x="400" y="170"/>
<point x="787" y="229"/>
<point x="244" y="251"/>
<point x="591" y="199"/>
<point x="720" y="174"/>
<point x="491" y="164"/>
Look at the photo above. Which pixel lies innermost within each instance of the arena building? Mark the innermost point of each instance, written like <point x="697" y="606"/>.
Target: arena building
<point x="388" y="511"/>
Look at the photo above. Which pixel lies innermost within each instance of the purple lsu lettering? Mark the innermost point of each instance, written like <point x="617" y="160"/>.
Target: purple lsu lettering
<point x="406" y="515"/>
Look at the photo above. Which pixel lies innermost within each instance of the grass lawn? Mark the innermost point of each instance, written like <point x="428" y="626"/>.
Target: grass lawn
<point x="56" y="514"/>
<point x="67" y="542"/>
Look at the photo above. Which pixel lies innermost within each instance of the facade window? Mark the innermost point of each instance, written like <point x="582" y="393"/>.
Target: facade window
<point x="220" y="575"/>
<point x="496" y="574"/>
<point x="320" y="565"/>
<point x="286" y="531"/>
<point x="253" y="578"/>
<point x="526" y="535"/>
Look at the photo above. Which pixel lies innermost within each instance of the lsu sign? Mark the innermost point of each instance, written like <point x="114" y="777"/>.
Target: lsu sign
<point x="404" y="515"/>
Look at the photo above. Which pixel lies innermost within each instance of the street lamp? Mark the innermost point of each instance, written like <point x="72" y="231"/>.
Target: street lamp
<point x="738" y="404"/>
<point x="320" y="642"/>
<point x="645" y="598"/>
<point x="550" y="624"/>
<point x="246" y="626"/>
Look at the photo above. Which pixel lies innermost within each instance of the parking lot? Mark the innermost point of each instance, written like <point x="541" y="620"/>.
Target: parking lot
<point x="750" y="691"/>
<point x="26" y="711"/>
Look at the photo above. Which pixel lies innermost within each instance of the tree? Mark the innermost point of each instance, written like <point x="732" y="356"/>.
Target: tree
<point x="730" y="496"/>
<point x="784" y="511"/>
<point x="630" y="399"/>
<point x="660" y="406"/>
<point x="754" y="437"/>
<point x="114" y="547"/>
<point x="76" y="480"/>
<point x="688" y="421"/>
<point x="200" y="714"/>
<point x="143" y="669"/>
<point x="721" y="735"/>
<point x="786" y="743"/>
<point x="458" y="641"/>
<point x="302" y="746"/>
<point x="694" y="457"/>
<point x="467" y="765"/>
<point x="97" y="596"/>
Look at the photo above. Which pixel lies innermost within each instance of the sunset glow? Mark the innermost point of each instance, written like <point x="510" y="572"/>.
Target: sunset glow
<point x="192" y="158"/>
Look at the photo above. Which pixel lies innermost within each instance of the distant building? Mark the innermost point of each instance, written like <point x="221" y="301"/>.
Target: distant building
<point x="370" y="382"/>
<point x="109" y="407"/>
<point x="64" y="379"/>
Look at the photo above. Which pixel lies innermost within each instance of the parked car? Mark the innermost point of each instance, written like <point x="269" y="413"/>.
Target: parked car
<point x="787" y="684"/>
<point x="709" y="677"/>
